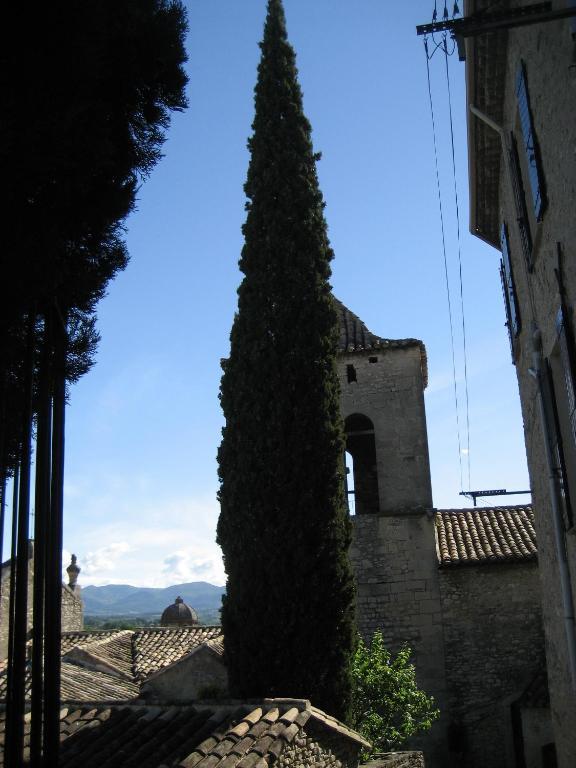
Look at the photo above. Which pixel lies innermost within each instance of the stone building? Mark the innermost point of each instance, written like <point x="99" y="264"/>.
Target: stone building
<point x="460" y="587"/>
<point x="521" y="98"/>
<point x="72" y="608"/>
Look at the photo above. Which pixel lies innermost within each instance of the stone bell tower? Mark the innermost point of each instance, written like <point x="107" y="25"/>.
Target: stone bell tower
<point x="393" y="553"/>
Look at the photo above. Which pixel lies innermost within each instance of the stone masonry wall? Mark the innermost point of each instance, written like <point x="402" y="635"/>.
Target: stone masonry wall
<point x="5" y="604"/>
<point x="308" y="750"/>
<point x="394" y="561"/>
<point x="548" y="52"/>
<point x="389" y="390"/>
<point x="494" y="645"/>
<point x="72" y="608"/>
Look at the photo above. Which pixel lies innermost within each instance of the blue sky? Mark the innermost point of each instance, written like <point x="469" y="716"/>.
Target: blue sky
<point x="144" y="425"/>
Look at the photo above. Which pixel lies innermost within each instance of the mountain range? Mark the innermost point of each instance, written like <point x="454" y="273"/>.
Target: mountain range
<point x="125" y="600"/>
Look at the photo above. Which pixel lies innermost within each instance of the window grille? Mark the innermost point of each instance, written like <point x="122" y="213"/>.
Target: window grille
<point x="530" y="144"/>
<point x="510" y="301"/>
<point x="520" y="200"/>
<point x="556" y="447"/>
<point x="566" y="345"/>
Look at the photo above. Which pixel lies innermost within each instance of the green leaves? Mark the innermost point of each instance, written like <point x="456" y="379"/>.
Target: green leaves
<point x="388" y="706"/>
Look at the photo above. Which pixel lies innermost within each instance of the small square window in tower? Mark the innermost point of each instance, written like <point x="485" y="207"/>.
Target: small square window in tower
<point x="361" y="446"/>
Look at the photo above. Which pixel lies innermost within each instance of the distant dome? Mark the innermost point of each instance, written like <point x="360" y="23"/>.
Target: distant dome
<point x="179" y="615"/>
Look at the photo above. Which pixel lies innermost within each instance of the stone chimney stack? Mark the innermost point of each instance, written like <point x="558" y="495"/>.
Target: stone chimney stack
<point x="73" y="570"/>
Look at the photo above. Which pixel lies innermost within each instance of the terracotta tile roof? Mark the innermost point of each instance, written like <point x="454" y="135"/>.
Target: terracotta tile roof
<point x="71" y="639"/>
<point x="79" y="684"/>
<point x="111" y="653"/>
<point x="485" y="535"/>
<point x="156" y="648"/>
<point x="232" y="736"/>
<point x="110" y="666"/>
<point x="355" y="337"/>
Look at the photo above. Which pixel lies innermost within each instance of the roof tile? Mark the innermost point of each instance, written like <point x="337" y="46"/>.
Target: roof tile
<point x="485" y="535"/>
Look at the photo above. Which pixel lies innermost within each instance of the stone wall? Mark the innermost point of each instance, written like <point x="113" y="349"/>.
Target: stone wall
<point x="397" y="760"/>
<point x="200" y="674"/>
<point x="547" y="50"/>
<point x="494" y="645"/>
<point x="5" y="602"/>
<point x="389" y="390"/>
<point x="394" y="561"/>
<point x="72" y="608"/>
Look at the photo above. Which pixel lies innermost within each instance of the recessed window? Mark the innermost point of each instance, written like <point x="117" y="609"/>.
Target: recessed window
<point x="372" y="359"/>
<point x="351" y="373"/>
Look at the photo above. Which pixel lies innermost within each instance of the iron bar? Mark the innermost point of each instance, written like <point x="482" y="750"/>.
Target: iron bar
<point x="478" y="24"/>
<point x="53" y="604"/>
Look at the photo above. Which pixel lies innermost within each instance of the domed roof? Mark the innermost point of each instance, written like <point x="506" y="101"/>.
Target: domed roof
<point x="179" y="613"/>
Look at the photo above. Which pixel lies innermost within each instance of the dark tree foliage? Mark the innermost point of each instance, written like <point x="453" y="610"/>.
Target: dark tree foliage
<point x="86" y="90"/>
<point x="288" y="613"/>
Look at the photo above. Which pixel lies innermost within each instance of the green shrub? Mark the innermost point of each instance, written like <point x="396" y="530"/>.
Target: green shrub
<point x="388" y="706"/>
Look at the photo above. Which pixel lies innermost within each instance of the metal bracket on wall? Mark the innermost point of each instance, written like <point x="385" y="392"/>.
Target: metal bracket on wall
<point x="499" y="492"/>
<point x="480" y="23"/>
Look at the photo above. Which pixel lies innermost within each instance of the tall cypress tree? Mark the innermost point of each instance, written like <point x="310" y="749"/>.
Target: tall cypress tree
<point x="288" y="614"/>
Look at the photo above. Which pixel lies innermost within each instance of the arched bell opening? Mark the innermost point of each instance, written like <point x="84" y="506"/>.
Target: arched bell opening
<point x="362" y="478"/>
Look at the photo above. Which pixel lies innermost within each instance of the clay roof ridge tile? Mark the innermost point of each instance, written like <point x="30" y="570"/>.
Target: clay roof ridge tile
<point x="458" y="539"/>
<point x="243" y="746"/>
<point x="252" y="760"/>
<point x="491" y="528"/>
<point x="517" y="543"/>
<point x="224" y="745"/>
<point x="443" y="552"/>
<point x="524" y="534"/>
<point x="483" y="538"/>
<point x="468" y="539"/>
<point x="290" y="715"/>
<point x="474" y="535"/>
<point x="450" y="545"/>
<point x="507" y="539"/>
<point x="272" y="715"/>
<point x="230" y="761"/>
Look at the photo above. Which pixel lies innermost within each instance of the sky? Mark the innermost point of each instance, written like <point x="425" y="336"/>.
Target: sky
<point x="144" y="425"/>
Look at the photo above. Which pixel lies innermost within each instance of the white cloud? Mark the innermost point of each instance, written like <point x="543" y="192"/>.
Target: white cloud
<point x="104" y="558"/>
<point x="184" y="566"/>
<point x="125" y="536"/>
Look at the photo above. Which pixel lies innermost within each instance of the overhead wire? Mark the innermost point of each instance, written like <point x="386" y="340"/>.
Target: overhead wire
<point x="465" y="352"/>
<point x="428" y="57"/>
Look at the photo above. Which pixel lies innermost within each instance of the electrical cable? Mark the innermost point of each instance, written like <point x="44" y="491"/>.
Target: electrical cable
<point x="445" y="260"/>
<point x="459" y="266"/>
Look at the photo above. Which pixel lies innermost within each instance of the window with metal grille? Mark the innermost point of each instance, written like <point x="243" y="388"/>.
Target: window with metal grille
<point x="572" y="4"/>
<point x="553" y="415"/>
<point x="530" y="143"/>
<point x="510" y="301"/>
<point x="520" y="200"/>
<point x="566" y="348"/>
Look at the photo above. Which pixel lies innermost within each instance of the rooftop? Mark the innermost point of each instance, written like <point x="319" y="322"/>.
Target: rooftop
<point x="111" y="666"/>
<point x="243" y="735"/>
<point x="355" y="337"/>
<point x="485" y="535"/>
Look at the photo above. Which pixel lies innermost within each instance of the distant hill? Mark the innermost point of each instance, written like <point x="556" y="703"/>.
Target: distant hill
<point x="125" y="600"/>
